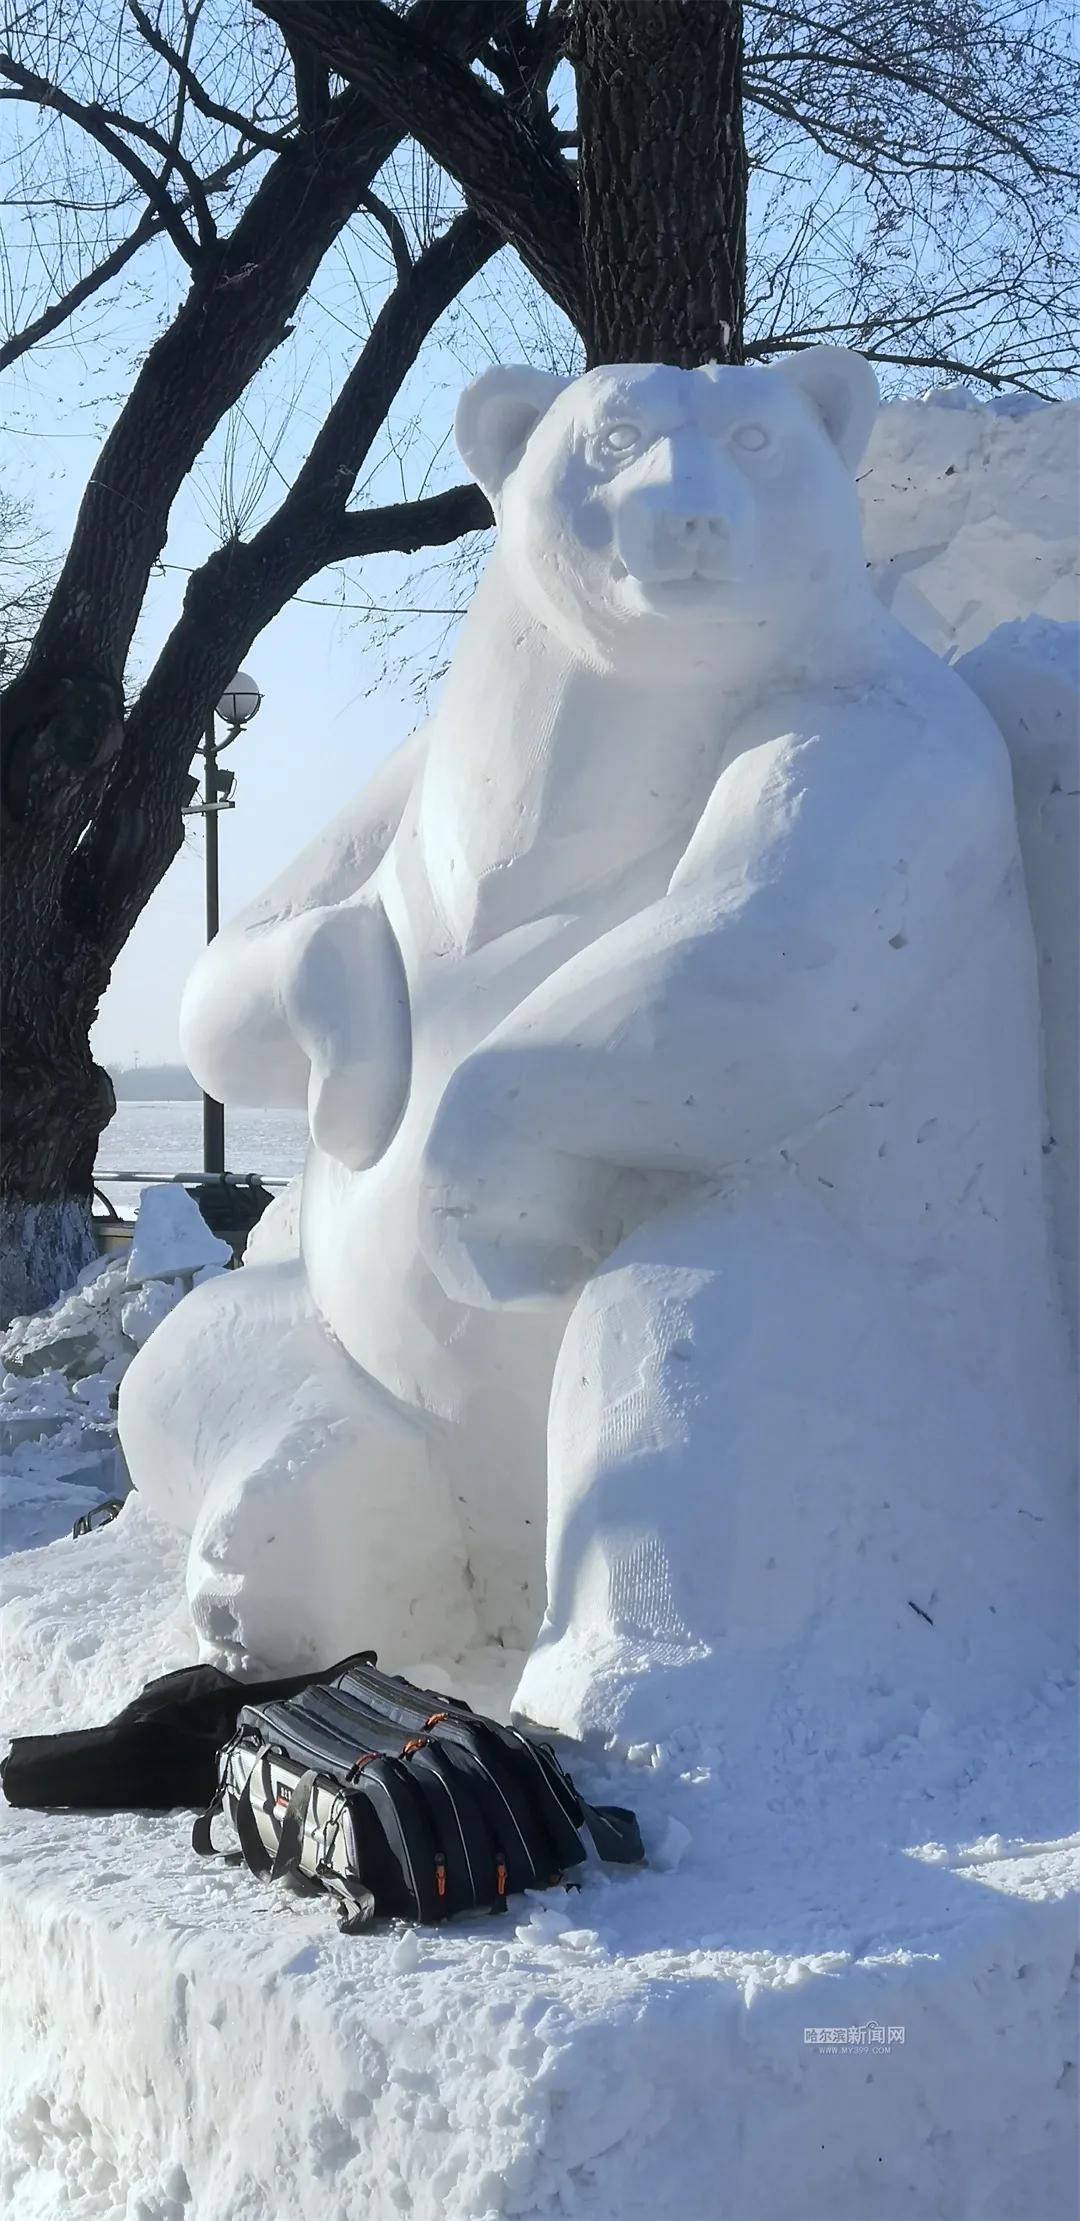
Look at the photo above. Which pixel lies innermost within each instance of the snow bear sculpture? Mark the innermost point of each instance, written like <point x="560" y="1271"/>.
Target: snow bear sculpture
<point x="667" y="1023"/>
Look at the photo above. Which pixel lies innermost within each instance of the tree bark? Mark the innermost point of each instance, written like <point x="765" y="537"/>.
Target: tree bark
<point x="663" y="178"/>
<point x="510" y="173"/>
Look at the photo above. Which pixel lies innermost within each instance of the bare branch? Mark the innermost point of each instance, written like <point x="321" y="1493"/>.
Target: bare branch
<point x="404" y="527"/>
<point x="237" y="312"/>
<point x="58" y="312"/>
<point x="148" y="227"/>
<point x="513" y="178"/>
<point x="858" y="55"/>
<point x="214" y="110"/>
<point x="394" y="229"/>
<point x="407" y="316"/>
<point x="94" y="120"/>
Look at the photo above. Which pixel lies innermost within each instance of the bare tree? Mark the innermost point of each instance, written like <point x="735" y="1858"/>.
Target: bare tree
<point x="912" y="187"/>
<point x="911" y="174"/>
<point x="94" y="785"/>
<point x="913" y="169"/>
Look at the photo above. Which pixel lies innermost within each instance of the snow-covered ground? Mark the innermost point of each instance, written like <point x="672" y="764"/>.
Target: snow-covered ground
<point x="195" y="2047"/>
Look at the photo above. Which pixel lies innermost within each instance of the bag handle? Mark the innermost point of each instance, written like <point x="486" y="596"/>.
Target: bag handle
<point x="355" y="1902"/>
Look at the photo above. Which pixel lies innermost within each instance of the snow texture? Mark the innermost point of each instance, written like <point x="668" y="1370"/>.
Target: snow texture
<point x="192" y="2048"/>
<point x="276" y="1235"/>
<point x="668" y="1021"/>
<point x="60" y="1371"/>
<point x="688" y="1004"/>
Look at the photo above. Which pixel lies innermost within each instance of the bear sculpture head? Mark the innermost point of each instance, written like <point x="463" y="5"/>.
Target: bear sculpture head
<point x="649" y="505"/>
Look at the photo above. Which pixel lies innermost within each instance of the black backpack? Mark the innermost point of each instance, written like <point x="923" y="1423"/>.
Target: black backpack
<point x="399" y="1801"/>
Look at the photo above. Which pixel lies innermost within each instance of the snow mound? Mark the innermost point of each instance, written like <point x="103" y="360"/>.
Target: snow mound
<point x="969" y="513"/>
<point x="87" y="1623"/>
<point x="171" y="1237"/>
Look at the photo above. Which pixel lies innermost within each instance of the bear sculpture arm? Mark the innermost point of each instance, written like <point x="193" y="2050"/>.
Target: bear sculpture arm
<point x="301" y="1001"/>
<point x="830" y="883"/>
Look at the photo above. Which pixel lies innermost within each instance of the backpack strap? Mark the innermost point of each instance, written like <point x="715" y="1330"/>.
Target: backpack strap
<point x="355" y="1902"/>
<point x="202" y="1833"/>
<point x="256" y="1856"/>
<point x="202" y="1839"/>
<point x="286" y="1861"/>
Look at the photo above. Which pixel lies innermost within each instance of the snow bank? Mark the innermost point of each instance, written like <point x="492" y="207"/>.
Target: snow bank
<point x="637" y="2048"/>
<point x="60" y="1370"/>
<point x="969" y="513"/>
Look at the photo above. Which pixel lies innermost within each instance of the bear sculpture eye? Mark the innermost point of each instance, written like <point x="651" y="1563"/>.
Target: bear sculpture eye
<point x="752" y="438"/>
<point x="619" y="439"/>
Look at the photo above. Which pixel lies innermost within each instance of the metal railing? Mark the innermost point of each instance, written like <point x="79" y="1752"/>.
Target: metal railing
<point x="113" y="1230"/>
<point x="187" y="1180"/>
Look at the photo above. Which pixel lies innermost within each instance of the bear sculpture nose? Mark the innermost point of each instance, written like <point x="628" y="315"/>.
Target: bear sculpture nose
<point x="700" y="531"/>
<point x="696" y="540"/>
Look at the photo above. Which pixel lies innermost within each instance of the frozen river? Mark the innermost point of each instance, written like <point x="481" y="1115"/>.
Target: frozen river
<point x="167" y="1138"/>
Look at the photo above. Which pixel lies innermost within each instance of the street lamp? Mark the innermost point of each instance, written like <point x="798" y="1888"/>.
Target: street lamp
<point x="240" y="702"/>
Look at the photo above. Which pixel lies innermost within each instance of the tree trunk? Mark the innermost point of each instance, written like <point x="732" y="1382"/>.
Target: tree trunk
<point x="55" y="1102"/>
<point x="92" y="797"/>
<point x="663" y="179"/>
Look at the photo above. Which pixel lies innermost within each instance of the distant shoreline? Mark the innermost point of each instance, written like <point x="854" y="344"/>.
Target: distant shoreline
<point x="154" y="1083"/>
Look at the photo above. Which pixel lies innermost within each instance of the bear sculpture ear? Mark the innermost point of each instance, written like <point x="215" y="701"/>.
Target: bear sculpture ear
<point x="841" y="389"/>
<point x="495" y="417"/>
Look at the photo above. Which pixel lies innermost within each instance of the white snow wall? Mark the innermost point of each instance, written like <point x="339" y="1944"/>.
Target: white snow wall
<point x="970" y="514"/>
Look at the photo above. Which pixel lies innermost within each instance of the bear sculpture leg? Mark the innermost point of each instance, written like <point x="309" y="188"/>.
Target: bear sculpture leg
<point x="784" y="1497"/>
<point x="319" y="1516"/>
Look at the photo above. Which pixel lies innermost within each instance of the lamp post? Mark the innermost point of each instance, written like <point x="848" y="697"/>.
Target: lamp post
<point x="238" y="705"/>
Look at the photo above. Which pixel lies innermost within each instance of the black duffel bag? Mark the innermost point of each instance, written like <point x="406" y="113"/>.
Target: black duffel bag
<point x="399" y="1801"/>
